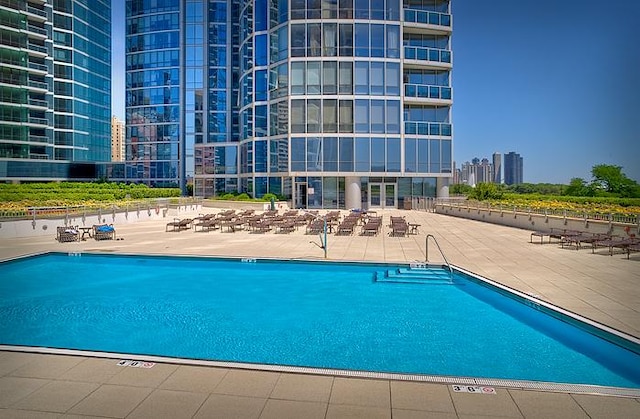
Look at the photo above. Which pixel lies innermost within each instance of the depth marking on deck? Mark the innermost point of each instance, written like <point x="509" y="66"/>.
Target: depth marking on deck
<point x="135" y="364"/>
<point x="473" y="389"/>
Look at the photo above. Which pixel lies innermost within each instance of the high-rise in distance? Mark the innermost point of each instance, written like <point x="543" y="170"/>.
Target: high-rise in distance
<point x="329" y="103"/>
<point x="513" y="168"/>
<point x="55" y="89"/>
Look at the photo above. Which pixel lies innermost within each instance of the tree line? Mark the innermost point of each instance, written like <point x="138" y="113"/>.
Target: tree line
<point x="606" y="181"/>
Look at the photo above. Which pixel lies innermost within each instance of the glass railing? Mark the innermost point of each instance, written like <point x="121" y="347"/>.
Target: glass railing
<point x="36" y="29"/>
<point x="38" y="139"/>
<point x="36" y="11"/>
<point x="427" y="54"/>
<point x="38" y="102"/>
<point x="427" y="91"/>
<point x="37" y="66"/>
<point x="428" y="18"/>
<point x="36" y="47"/>
<point x="427" y="128"/>
<point x="38" y="85"/>
<point x="38" y="121"/>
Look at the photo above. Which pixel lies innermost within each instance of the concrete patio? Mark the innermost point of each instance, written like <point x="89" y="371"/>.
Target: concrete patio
<point x="598" y="286"/>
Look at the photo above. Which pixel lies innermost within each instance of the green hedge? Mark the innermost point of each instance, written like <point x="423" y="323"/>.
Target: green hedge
<point x="77" y="192"/>
<point x="623" y="202"/>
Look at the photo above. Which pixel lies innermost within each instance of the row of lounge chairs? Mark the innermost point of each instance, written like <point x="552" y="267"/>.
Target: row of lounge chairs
<point x="580" y="239"/>
<point x="369" y="223"/>
<point x="245" y="220"/>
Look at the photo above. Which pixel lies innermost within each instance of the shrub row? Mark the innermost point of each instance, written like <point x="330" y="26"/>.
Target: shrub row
<point x="584" y="200"/>
<point x="39" y="194"/>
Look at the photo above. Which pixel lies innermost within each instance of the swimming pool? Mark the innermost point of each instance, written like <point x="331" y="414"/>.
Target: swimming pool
<point x="346" y="316"/>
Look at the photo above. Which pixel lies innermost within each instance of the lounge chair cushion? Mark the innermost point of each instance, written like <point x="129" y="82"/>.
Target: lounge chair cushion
<point x="105" y="229"/>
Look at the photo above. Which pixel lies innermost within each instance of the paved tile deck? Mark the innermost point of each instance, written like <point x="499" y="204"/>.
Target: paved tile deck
<point x="598" y="286"/>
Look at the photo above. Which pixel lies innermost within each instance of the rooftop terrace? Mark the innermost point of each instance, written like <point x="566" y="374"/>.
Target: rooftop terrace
<point x="598" y="286"/>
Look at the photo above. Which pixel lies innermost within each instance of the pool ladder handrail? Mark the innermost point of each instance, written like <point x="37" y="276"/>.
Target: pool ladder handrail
<point x="426" y="251"/>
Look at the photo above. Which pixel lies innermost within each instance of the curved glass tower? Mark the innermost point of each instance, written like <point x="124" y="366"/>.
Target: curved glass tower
<point x="329" y="103"/>
<point x="55" y="89"/>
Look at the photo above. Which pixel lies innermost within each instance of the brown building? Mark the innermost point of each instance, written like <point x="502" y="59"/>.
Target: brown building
<point x="117" y="139"/>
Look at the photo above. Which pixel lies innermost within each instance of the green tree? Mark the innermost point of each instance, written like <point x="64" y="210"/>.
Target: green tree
<point x="484" y="191"/>
<point x="460" y="189"/>
<point x="611" y="179"/>
<point x="578" y="187"/>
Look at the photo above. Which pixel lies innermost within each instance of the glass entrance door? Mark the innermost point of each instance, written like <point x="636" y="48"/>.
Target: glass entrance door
<point x="383" y="195"/>
<point x="301" y="195"/>
<point x="375" y="195"/>
<point x="390" y="200"/>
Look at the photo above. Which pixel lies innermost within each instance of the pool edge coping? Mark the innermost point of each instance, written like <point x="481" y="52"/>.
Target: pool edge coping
<point x="423" y="378"/>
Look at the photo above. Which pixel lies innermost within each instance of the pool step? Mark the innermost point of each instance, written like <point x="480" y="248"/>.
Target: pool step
<point x="432" y="276"/>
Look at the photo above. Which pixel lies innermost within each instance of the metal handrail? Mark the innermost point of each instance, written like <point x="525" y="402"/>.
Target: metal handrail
<point x="323" y="243"/>
<point x="426" y="251"/>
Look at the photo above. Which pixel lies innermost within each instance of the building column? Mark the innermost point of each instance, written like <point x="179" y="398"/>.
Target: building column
<point x="352" y="193"/>
<point x="442" y="187"/>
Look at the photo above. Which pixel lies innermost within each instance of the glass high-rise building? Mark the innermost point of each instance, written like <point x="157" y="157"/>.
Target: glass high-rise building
<point x="329" y="103"/>
<point x="55" y="88"/>
<point x="513" y="168"/>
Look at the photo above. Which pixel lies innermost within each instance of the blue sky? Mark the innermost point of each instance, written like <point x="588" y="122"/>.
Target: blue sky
<point x="556" y="81"/>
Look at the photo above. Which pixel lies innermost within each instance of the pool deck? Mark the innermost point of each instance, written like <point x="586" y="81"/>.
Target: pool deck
<point x="597" y="286"/>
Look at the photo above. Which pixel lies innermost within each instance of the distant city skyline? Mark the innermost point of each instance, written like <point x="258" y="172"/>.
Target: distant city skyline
<point x="555" y="81"/>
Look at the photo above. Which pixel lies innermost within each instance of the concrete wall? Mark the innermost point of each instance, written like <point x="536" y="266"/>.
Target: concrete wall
<point x="536" y="222"/>
<point x="47" y="226"/>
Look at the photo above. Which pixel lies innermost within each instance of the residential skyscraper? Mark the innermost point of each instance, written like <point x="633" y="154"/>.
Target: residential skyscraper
<point x="117" y="140"/>
<point x="513" y="168"/>
<point x="333" y="104"/>
<point x="55" y="88"/>
<point x="497" y="168"/>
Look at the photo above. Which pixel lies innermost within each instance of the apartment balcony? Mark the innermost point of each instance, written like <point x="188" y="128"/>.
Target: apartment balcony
<point x="424" y="93"/>
<point x="25" y="6"/>
<point x="37" y="66"/>
<point x="38" y="103"/>
<point x="38" y="139"/>
<point x="427" y="128"/>
<point x="419" y="57"/>
<point x="427" y="21"/>
<point x="40" y="49"/>
<point x="38" y="85"/>
<point x="32" y="120"/>
<point x="33" y="29"/>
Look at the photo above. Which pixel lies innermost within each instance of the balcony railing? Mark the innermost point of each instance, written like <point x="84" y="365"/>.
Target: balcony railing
<point x="36" y="47"/>
<point x="38" y="139"/>
<point x="428" y="18"/>
<point x="36" y="66"/>
<point x="38" y="85"/>
<point x="427" y="91"/>
<point x="36" y="29"/>
<point x="427" y="54"/>
<point x="38" y="102"/>
<point x="427" y="128"/>
<point x="36" y="11"/>
<point x="38" y="121"/>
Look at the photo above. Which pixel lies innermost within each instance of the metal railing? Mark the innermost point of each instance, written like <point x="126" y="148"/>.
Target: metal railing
<point x="427" y="54"/>
<point x="427" y="17"/>
<point x="427" y="91"/>
<point x="41" y="213"/>
<point x="426" y="251"/>
<point x="563" y="213"/>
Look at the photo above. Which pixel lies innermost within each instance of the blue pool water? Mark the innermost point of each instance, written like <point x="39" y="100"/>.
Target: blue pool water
<point x="326" y="315"/>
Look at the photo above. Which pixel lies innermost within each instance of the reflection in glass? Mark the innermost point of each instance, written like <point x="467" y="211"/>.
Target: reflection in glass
<point x="362" y="155"/>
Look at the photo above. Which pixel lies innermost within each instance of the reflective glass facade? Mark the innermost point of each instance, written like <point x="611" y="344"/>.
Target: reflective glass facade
<point x="55" y="85"/>
<point x="325" y="102"/>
